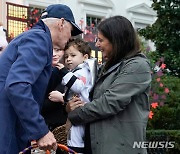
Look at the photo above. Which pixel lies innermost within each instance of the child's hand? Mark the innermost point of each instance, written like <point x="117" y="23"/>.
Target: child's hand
<point x="56" y="96"/>
<point x="59" y="66"/>
<point x="68" y="125"/>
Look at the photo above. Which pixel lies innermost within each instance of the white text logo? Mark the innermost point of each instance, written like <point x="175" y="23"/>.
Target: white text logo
<point x="154" y="144"/>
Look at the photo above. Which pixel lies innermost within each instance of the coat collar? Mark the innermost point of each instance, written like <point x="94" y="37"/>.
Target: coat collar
<point x="41" y="25"/>
<point x="111" y="69"/>
<point x="118" y="64"/>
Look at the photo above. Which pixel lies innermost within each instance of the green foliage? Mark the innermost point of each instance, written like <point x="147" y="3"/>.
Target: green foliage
<point x="166" y="112"/>
<point x="165" y="32"/>
<point x="167" y="115"/>
<point x="164" y="135"/>
<point x="173" y="83"/>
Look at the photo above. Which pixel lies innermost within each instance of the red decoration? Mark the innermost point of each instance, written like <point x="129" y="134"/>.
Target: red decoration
<point x="158" y="92"/>
<point x="163" y="66"/>
<point x="158" y="79"/>
<point x="166" y="90"/>
<point x="34" y="16"/>
<point x="161" y="85"/>
<point x="154" y="105"/>
<point x="151" y="114"/>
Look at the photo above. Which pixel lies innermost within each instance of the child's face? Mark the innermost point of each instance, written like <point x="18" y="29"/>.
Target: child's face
<point x="57" y="55"/>
<point x="73" y="57"/>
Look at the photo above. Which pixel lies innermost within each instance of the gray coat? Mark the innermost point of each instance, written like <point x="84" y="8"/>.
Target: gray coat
<point x="119" y="111"/>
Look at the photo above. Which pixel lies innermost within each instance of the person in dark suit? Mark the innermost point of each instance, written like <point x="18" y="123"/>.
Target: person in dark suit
<point x="26" y="66"/>
<point x="53" y="110"/>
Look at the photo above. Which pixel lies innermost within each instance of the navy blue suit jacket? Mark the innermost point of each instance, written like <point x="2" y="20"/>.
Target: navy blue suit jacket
<point x="25" y="69"/>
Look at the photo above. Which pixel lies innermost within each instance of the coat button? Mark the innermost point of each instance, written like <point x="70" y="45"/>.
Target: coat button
<point x="97" y="143"/>
<point x="122" y="144"/>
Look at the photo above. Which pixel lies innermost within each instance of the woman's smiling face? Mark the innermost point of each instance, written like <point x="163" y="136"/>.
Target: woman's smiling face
<point x="104" y="45"/>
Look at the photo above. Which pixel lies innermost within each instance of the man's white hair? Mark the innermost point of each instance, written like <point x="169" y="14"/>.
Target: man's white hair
<point x="50" y="20"/>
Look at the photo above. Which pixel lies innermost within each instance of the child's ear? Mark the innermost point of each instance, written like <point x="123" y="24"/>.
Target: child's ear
<point x="86" y="56"/>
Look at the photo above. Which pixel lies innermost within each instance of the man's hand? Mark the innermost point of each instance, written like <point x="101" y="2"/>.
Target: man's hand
<point x="48" y="142"/>
<point x="73" y="104"/>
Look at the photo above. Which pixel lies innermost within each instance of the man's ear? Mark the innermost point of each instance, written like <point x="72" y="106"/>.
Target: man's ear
<point x="61" y="23"/>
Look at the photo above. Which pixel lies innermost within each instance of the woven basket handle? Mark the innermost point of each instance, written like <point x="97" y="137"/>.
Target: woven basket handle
<point x="61" y="146"/>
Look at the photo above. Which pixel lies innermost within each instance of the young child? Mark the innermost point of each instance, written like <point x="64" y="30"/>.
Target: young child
<point x="78" y="76"/>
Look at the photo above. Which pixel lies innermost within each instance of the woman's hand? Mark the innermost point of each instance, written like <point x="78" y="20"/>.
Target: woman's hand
<point x="73" y="104"/>
<point x="56" y="96"/>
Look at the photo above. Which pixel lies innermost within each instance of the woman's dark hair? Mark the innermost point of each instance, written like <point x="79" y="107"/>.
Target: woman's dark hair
<point x="80" y="45"/>
<point x="120" y="32"/>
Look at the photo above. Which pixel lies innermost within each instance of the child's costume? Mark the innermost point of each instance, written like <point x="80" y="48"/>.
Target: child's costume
<point x="79" y="82"/>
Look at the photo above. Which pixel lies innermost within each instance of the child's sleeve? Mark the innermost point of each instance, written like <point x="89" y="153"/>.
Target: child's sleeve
<point x="76" y="81"/>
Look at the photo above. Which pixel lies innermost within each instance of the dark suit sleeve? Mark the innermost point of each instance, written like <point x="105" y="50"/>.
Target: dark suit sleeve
<point x="55" y="80"/>
<point x="31" y="60"/>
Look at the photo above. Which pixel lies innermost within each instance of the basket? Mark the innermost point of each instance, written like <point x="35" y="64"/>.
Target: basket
<point x="60" y="134"/>
<point x="61" y="138"/>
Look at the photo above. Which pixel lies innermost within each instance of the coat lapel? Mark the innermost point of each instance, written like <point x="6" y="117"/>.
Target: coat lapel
<point x="109" y="70"/>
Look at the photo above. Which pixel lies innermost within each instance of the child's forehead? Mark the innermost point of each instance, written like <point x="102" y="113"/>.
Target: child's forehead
<point x="71" y="49"/>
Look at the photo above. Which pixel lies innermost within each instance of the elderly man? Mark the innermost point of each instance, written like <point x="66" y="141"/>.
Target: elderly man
<point x="25" y="71"/>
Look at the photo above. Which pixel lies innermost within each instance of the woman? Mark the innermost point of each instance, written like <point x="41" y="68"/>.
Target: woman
<point x="118" y="113"/>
